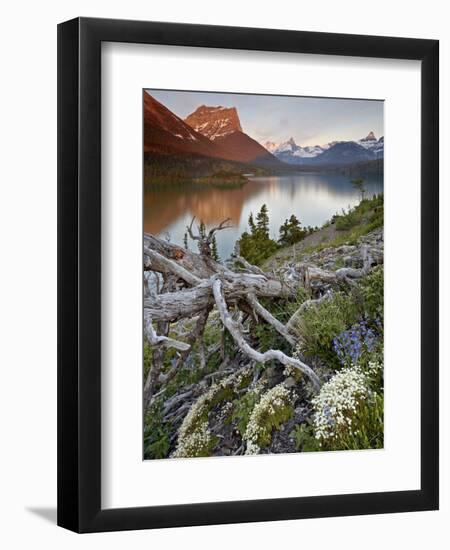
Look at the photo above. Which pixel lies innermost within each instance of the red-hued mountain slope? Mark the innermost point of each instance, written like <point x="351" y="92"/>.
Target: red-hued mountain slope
<point x="214" y="122"/>
<point x="167" y="134"/>
<point x="241" y="147"/>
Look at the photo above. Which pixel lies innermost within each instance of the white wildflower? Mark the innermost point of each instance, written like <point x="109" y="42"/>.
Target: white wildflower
<point x="337" y="400"/>
<point x="194" y="437"/>
<point x="274" y="407"/>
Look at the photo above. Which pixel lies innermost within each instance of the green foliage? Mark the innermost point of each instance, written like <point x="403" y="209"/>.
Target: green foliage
<point x="349" y="409"/>
<point x="358" y="184"/>
<point x="368" y="213"/>
<point x="193" y="171"/>
<point x="156" y="434"/>
<point x="351" y="225"/>
<point x="320" y="324"/>
<point x="262" y="222"/>
<point x="202" y="233"/>
<point x="282" y="309"/>
<point x="256" y="246"/>
<point x="214" y="251"/>
<point x="147" y="358"/>
<point x="267" y="338"/>
<point x="303" y="436"/>
<point x="291" y="232"/>
<point x="367" y="427"/>
<point x="194" y="436"/>
<point x="242" y="409"/>
<point x="372" y="290"/>
<point x="347" y="220"/>
<point x="269" y="414"/>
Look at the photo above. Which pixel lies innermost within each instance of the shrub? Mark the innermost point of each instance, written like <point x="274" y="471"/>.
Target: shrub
<point x="156" y="434"/>
<point x="147" y="359"/>
<point x="368" y="214"/>
<point x="282" y="309"/>
<point x="303" y="436"/>
<point x="274" y="408"/>
<point x="243" y="408"/>
<point x="347" y="220"/>
<point x="194" y="436"/>
<point x="348" y="412"/>
<point x="320" y="324"/>
<point x="372" y="290"/>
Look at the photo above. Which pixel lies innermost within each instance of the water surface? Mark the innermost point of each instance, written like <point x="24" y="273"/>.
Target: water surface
<point x="312" y="197"/>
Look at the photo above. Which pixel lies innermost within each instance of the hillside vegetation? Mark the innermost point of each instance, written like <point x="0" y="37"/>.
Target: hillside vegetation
<point x="278" y="350"/>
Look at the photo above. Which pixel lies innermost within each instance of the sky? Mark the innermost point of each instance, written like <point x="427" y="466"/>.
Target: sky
<point x="309" y="120"/>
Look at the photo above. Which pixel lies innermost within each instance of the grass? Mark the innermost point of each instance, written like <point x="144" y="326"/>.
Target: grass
<point x="345" y="228"/>
<point x="357" y="222"/>
<point x="350" y="238"/>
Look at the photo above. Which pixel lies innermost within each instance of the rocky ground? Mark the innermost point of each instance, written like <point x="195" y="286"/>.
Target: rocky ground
<point x="346" y="255"/>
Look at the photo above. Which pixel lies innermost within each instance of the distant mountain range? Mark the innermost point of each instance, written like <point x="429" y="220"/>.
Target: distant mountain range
<point x="211" y="137"/>
<point x="333" y="153"/>
<point x="208" y="132"/>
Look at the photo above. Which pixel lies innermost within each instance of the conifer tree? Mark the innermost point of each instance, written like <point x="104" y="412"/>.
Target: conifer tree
<point x="214" y="251"/>
<point x="291" y="231"/>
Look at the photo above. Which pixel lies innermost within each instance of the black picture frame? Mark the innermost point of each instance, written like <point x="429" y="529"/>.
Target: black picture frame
<point x="79" y="274"/>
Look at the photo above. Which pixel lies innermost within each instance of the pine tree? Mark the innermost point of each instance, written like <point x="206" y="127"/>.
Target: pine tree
<point x="291" y="231"/>
<point x="202" y="234"/>
<point x="256" y="246"/>
<point x="251" y="223"/>
<point x="202" y="230"/>
<point x="262" y="222"/>
<point x="214" y="252"/>
<point x="358" y="184"/>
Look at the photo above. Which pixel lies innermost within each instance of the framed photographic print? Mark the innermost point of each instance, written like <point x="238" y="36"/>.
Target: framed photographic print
<point x="248" y="275"/>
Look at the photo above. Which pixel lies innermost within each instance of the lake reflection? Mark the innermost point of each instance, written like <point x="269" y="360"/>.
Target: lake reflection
<point x="312" y="197"/>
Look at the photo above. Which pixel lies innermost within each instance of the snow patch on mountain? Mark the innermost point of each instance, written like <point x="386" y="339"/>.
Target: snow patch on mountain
<point x="371" y="143"/>
<point x="214" y="122"/>
<point x="289" y="151"/>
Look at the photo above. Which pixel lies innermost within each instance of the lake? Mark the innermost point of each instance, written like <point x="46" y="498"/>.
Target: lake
<point x="312" y="197"/>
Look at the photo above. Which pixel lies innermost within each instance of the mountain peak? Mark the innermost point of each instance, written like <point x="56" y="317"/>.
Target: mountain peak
<point x="165" y="133"/>
<point x="271" y="146"/>
<point x="370" y="137"/>
<point x="214" y="122"/>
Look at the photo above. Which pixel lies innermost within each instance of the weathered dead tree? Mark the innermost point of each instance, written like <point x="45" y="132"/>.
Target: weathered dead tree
<point x="235" y="329"/>
<point x="194" y="283"/>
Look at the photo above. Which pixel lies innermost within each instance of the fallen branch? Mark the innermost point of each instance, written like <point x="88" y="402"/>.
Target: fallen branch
<point x="269" y="318"/>
<point x="293" y="321"/>
<point x="155" y="340"/>
<point x="158" y="262"/>
<point x="251" y="268"/>
<point x="196" y="333"/>
<point x="206" y="241"/>
<point x="235" y="330"/>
